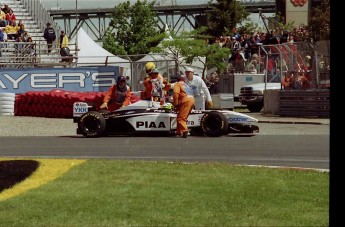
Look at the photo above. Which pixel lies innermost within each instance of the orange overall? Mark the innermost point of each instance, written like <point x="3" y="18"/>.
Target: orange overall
<point x="149" y="88"/>
<point x="184" y="103"/>
<point x="117" y="98"/>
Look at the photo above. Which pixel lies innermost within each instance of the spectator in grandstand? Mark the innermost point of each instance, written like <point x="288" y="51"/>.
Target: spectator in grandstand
<point x="252" y="67"/>
<point x="63" y="40"/>
<point x="255" y="57"/>
<point x="228" y="43"/>
<point x="237" y="60"/>
<point x="214" y="83"/>
<point x="5" y="34"/>
<point x="257" y="39"/>
<point x="10" y="16"/>
<point x="12" y="30"/>
<point x="64" y="50"/>
<point x="6" y="9"/>
<point x="2" y="18"/>
<point x="288" y="80"/>
<point x="21" y="24"/>
<point x="1" y="38"/>
<point x="25" y="36"/>
<point x="308" y="62"/>
<point x="284" y="37"/>
<point x="19" y="46"/>
<point x="30" y="46"/>
<point x="271" y="65"/>
<point x="291" y="38"/>
<point x="236" y="44"/>
<point x="255" y="46"/>
<point x="21" y="30"/>
<point x="50" y="36"/>
<point x="217" y="41"/>
<point x="246" y="46"/>
<point x="222" y="41"/>
<point x="1" y="35"/>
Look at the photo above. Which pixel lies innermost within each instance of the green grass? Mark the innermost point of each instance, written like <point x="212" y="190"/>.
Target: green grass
<point x="138" y="193"/>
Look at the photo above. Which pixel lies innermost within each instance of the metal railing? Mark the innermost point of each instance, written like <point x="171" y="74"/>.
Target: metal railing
<point x="40" y="15"/>
<point x="32" y="54"/>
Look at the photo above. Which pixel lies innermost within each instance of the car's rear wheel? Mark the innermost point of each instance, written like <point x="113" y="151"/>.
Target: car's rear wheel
<point x="92" y="124"/>
<point x="214" y="124"/>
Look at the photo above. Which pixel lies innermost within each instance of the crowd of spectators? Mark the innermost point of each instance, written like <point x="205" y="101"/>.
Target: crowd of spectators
<point x="245" y="55"/>
<point x="245" y="47"/>
<point x="13" y="31"/>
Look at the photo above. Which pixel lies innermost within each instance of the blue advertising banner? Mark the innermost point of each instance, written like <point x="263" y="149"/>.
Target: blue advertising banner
<point x="80" y="79"/>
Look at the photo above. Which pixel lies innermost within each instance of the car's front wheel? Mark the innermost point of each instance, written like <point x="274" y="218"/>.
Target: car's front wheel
<point x="214" y="124"/>
<point x="92" y="124"/>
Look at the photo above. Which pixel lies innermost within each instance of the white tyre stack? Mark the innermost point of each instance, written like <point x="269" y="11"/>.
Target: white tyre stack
<point x="7" y="104"/>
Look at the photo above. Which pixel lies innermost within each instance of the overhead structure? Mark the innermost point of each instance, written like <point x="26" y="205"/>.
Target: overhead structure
<point x="176" y="16"/>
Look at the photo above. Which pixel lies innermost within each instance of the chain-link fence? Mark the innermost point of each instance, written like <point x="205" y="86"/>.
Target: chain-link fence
<point x="166" y="65"/>
<point x="297" y="65"/>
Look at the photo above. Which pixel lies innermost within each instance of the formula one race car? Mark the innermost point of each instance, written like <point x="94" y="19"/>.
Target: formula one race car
<point x="143" y="117"/>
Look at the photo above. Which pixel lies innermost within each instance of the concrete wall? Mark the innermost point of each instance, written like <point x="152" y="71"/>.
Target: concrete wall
<point x="271" y="102"/>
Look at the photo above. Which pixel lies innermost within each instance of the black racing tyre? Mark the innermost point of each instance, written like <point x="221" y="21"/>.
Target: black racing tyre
<point x="92" y="124"/>
<point x="214" y="124"/>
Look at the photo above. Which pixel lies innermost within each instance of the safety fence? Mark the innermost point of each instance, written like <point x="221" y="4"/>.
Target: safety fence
<point x="297" y="65"/>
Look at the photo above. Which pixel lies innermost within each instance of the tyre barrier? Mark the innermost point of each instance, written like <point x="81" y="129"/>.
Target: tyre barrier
<point x="56" y="103"/>
<point x="7" y="101"/>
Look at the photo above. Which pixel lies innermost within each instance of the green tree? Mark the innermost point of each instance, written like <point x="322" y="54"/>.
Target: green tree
<point x="319" y="24"/>
<point x="225" y="15"/>
<point x="187" y="47"/>
<point x="132" y="29"/>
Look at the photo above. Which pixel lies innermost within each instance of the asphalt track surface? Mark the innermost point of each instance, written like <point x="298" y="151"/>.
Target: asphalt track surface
<point x="283" y="145"/>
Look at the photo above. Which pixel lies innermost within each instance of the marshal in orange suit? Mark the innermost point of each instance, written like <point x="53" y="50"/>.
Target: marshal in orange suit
<point x="118" y="95"/>
<point x="183" y="104"/>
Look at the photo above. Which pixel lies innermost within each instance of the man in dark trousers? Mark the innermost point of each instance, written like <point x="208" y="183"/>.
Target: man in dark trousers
<point x="50" y="36"/>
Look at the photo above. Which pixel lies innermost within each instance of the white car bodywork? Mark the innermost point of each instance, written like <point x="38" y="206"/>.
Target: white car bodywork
<point x="148" y="116"/>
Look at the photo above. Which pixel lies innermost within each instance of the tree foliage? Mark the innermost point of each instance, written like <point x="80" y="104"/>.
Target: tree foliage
<point x="193" y="46"/>
<point x="319" y="25"/>
<point x="132" y="29"/>
<point x="225" y="15"/>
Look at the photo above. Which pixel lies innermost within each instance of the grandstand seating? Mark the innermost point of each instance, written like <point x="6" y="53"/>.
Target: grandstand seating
<point x="8" y="51"/>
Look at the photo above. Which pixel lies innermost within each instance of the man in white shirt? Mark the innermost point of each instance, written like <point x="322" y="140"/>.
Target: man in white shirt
<point x="200" y="90"/>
